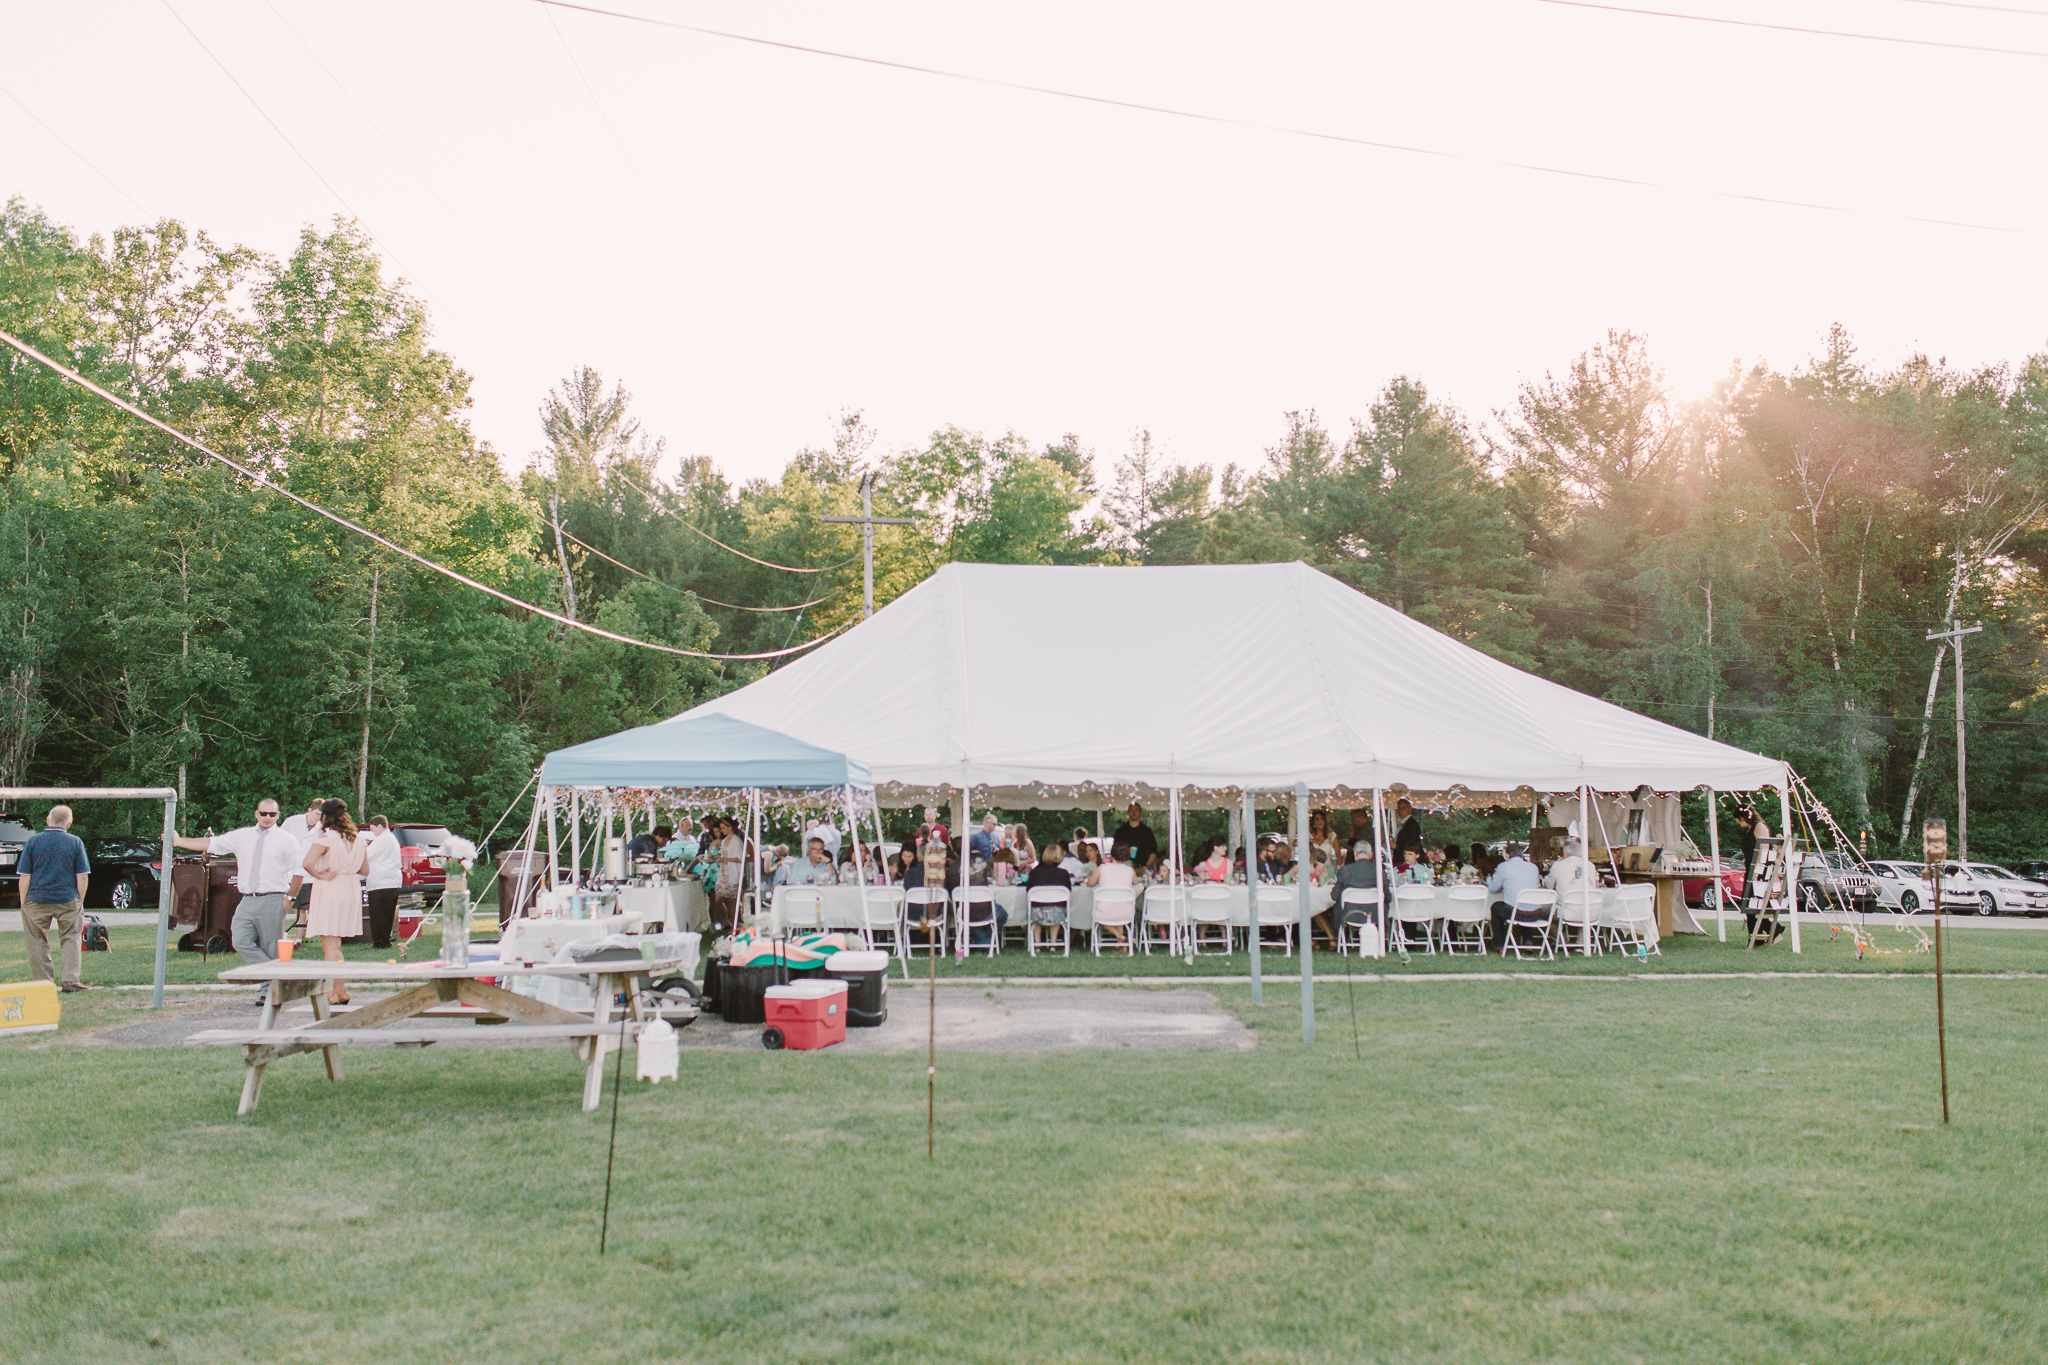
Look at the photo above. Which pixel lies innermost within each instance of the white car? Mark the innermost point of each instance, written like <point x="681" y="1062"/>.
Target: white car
<point x="1994" y="890"/>
<point x="1902" y="886"/>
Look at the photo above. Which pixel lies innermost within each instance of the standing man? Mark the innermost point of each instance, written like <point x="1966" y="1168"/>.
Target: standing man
<point x="54" y="870"/>
<point x="1410" y="834"/>
<point x="266" y="873"/>
<point x="1137" y="836"/>
<point x="930" y="828"/>
<point x="382" y="879"/>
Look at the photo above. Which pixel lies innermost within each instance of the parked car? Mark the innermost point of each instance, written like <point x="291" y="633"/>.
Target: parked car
<point x="420" y="875"/>
<point x="1995" y="890"/>
<point x="1835" y="881"/>
<point x="126" y="872"/>
<point x="1707" y="892"/>
<point x="14" y="832"/>
<point x="1902" y="886"/>
<point x="2033" y="870"/>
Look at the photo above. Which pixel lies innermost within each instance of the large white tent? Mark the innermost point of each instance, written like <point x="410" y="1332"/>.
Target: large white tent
<point x="1019" y="680"/>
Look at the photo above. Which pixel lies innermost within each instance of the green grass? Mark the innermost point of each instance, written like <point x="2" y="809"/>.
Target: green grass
<point x="1598" y="1171"/>
<point x="1967" y="947"/>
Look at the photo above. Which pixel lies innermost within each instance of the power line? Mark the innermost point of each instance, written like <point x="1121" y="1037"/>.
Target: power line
<point x="1792" y="28"/>
<point x="1994" y="9"/>
<point x="1833" y="715"/>
<point x="264" y="481"/>
<point x="591" y="91"/>
<point x="308" y="164"/>
<point x="378" y="129"/>
<point x="729" y="606"/>
<point x="1284" y="129"/>
<point x="73" y="150"/>
<point x="663" y="507"/>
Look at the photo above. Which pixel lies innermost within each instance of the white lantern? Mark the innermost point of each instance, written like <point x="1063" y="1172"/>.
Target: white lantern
<point x="657" y="1058"/>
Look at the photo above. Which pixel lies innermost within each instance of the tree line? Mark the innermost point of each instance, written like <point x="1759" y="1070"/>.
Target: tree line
<point x="1762" y="564"/>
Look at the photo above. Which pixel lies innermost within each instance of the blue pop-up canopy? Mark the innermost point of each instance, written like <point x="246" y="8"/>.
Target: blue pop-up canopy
<point x="716" y="752"/>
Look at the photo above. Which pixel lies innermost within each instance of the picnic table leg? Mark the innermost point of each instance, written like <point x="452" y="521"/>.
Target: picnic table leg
<point x="252" y="1081"/>
<point x="593" y="1073"/>
<point x="332" y="1055"/>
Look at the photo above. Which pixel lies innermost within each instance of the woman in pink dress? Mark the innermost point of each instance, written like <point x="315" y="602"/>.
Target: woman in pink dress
<point x="335" y="909"/>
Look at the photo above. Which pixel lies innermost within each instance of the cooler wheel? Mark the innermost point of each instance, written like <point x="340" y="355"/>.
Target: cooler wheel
<point x="772" y="1040"/>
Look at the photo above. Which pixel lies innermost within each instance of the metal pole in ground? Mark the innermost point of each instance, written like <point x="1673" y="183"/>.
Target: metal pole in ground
<point x="165" y="900"/>
<point x="1304" y="862"/>
<point x="1251" y="893"/>
<point x="1934" y="848"/>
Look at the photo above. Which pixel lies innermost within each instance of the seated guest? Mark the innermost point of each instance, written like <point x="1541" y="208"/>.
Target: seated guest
<point x="1361" y="873"/>
<point x="650" y="844"/>
<point x="1020" y="844"/>
<point x="1216" y="867"/>
<point x="1572" y="876"/>
<point x="1070" y="859"/>
<point x="1483" y="860"/>
<point x="1450" y="859"/>
<point x="1114" y="873"/>
<point x="1276" y="862"/>
<point x="813" y="869"/>
<point x="1411" y="871"/>
<point x="822" y="828"/>
<point x="1050" y="870"/>
<point x="899" y="871"/>
<point x="1515" y="875"/>
<point x="936" y="867"/>
<point x="984" y="842"/>
<point x="1002" y="868"/>
<point x="1091" y="858"/>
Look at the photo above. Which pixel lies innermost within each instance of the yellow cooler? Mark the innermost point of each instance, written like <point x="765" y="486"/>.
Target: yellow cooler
<point x="28" y="1007"/>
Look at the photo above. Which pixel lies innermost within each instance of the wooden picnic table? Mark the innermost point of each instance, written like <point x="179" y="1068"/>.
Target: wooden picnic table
<point x="430" y="987"/>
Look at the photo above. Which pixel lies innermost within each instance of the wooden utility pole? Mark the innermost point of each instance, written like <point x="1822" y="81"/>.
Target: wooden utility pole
<point x="868" y="521"/>
<point x="1954" y="635"/>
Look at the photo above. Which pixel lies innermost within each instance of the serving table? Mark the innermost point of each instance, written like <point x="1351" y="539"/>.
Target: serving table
<point x="430" y="987"/>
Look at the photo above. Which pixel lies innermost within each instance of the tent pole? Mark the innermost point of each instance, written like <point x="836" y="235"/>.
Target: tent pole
<point x="1714" y="861"/>
<point x="526" y="878"/>
<point x="1176" y="850"/>
<point x="965" y="850"/>
<point x="1251" y="893"/>
<point x="547" y="794"/>
<point x="1785" y="863"/>
<point x="860" y="874"/>
<point x="1383" y="869"/>
<point x="575" y="837"/>
<point x="1303" y="864"/>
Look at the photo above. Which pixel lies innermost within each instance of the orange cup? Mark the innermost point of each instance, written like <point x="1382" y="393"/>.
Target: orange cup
<point x="284" y="949"/>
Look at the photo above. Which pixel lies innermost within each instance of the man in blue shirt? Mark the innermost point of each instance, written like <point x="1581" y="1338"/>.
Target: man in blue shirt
<point x="53" y="870"/>
<point x="1515" y="875"/>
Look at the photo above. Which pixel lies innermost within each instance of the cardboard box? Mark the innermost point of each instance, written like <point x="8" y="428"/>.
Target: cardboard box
<point x="29" y="1007"/>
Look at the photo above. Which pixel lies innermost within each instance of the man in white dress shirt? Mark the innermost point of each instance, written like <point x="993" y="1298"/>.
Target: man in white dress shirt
<point x="304" y="828"/>
<point x="382" y="879"/>
<point x="266" y="873"/>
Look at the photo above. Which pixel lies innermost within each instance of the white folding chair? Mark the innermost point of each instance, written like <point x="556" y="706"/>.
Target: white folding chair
<point x="800" y="910"/>
<point x="1116" y="907"/>
<point x="1465" y="917"/>
<point x="1632" y="922"/>
<point x="1048" y="896"/>
<point x="1357" y="910"/>
<point x="1578" y="912"/>
<point x="1534" y="912"/>
<point x="1279" y="908"/>
<point x="976" y="908"/>
<point x="925" y="909"/>
<point x="1415" y="906"/>
<point x="881" y="912"/>
<point x="1209" y="908"/>
<point x="1166" y="907"/>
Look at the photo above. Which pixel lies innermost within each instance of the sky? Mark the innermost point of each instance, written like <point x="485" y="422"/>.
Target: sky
<point x="755" y="239"/>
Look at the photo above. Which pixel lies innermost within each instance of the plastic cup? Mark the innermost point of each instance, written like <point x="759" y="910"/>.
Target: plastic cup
<point x="284" y="949"/>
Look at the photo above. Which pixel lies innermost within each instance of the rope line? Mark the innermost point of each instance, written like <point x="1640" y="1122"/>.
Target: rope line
<point x="264" y="481"/>
<point x="730" y="606"/>
<point x="1283" y="129"/>
<point x="661" y="506"/>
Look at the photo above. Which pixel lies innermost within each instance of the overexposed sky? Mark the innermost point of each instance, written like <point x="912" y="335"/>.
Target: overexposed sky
<point x="772" y="236"/>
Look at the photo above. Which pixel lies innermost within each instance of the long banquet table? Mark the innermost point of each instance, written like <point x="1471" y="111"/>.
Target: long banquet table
<point x="841" y="904"/>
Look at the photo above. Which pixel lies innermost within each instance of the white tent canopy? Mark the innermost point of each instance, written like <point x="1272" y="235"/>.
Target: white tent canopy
<point x="1024" y="679"/>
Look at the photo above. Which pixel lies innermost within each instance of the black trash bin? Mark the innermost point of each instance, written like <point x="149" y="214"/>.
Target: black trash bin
<point x="740" y="994"/>
<point x="866" y="974"/>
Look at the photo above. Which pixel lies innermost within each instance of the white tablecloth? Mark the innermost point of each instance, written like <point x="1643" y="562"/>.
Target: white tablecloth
<point x="842" y="906"/>
<point x="1605" y="905"/>
<point x="677" y="905"/>
<point x="1240" y="899"/>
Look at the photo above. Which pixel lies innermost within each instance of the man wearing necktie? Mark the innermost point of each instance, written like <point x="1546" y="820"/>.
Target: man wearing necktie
<point x="266" y="873"/>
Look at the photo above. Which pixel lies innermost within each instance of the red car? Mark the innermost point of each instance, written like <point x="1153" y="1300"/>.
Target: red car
<point x="419" y="873"/>
<point x="1702" y="891"/>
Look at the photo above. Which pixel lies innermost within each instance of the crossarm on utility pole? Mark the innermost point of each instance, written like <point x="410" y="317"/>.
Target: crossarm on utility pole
<point x="1954" y="636"/>
<point x="868" y="521"/>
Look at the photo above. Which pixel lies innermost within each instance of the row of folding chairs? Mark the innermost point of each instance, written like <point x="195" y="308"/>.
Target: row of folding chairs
<point x="1546" y="925"/>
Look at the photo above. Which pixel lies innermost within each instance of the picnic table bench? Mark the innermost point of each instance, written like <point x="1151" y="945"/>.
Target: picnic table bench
<point x="430" y="989"/>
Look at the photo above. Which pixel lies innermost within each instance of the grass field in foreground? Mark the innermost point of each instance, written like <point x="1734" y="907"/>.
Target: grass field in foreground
<point x="1968" y="947"/>
<point x="1598" y="1171"/>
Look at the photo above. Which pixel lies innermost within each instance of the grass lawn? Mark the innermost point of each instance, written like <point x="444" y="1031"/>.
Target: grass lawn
<point x="1601" y="1171"/>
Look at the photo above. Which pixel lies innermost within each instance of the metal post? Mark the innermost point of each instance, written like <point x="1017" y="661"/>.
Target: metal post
<point x="554" y="858"/>
<point x="868" y="521"/>
<point x="1933" y="850"/>
<point x="1954" y="635"/>
<point x="1383" y="868"/>
<point x="1785" y="868"/>
<point x="1251" y="893"/>
<point x="1714" y="858"/>
<point x="165" y="900"/>
<point x="1303" y="862"/>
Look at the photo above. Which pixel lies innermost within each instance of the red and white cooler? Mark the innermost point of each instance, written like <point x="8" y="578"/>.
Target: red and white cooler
<point x="805" y="1015"/>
